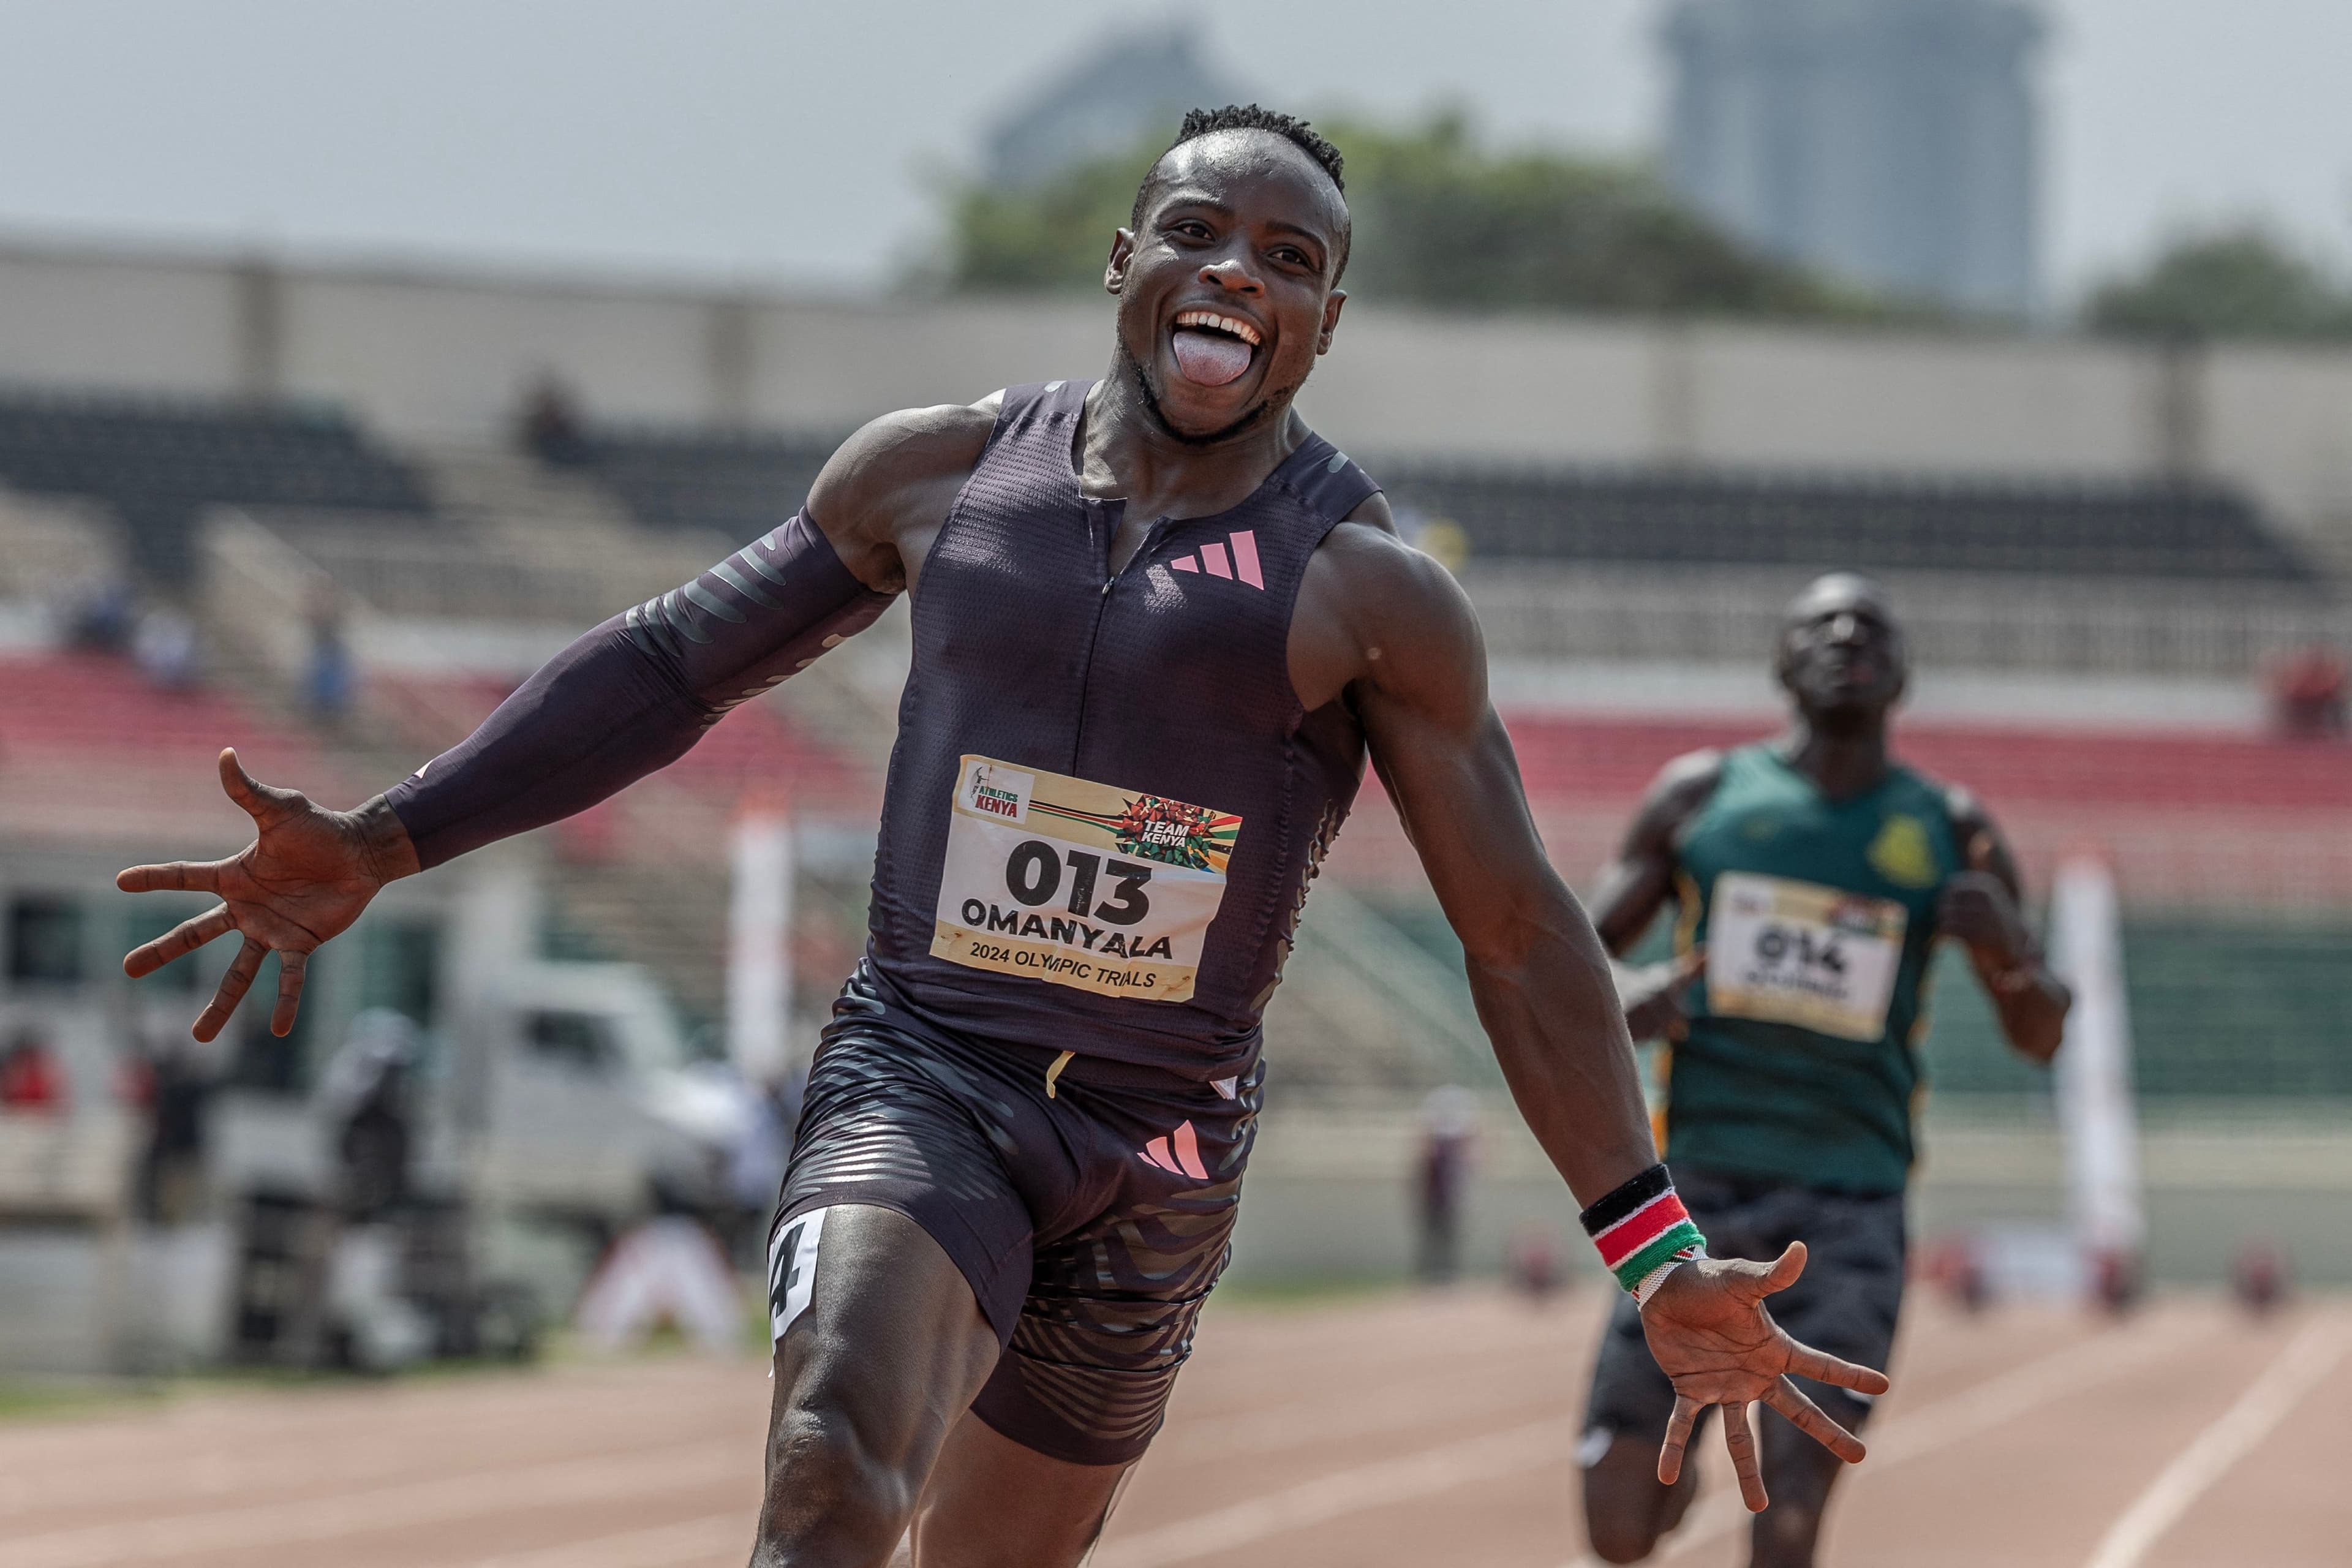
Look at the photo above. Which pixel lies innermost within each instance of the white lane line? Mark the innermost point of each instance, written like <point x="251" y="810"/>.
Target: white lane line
<point x="689" y="1540"/>
<point x="1299" y="1423"/>
<point x="1400" y="1479"/>
<point x="670" y="1468"/>
<point x="2307" y="1359"/>
<point x="208" y="1467"/>
<point x="1995" y="1402"/>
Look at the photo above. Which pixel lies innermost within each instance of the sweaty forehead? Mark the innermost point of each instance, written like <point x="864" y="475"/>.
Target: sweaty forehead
<point x="1249" y="172"/>
<point x="1838" y="592"/>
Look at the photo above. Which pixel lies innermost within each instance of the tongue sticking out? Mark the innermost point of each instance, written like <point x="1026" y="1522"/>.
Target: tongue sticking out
<point x="1211" y="359"/>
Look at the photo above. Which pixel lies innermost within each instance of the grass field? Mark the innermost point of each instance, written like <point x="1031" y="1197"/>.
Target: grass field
<point x="1358" y="1430"/>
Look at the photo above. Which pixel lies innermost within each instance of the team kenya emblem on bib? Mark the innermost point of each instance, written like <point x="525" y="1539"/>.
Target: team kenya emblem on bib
<point x="1079" y="884"/>
<point x="1797" y="953"/>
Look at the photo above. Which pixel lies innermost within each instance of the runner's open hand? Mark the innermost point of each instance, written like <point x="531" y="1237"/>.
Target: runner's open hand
<point x="306" y="876"/>
<point x="1652" y="996"/>
<point x="1708" y="1326"/>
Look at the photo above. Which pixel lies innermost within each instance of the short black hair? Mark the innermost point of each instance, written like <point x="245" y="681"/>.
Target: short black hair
<point x="1199" y="123"/>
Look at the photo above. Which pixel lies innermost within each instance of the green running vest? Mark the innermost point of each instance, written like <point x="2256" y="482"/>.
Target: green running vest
<point x="1818" y="920"/>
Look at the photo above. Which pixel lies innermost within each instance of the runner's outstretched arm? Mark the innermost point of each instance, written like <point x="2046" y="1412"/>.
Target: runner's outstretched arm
<point x="1542" y="985"/>
<point x="625" y="699"/>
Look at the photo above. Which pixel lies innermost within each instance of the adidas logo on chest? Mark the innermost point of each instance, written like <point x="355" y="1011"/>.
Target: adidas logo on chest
<point x="1233" y="558"/>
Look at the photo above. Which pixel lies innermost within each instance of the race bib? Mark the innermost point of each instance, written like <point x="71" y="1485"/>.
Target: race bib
<point x="1797" y="953"/>
<point x="1079" y="884"/>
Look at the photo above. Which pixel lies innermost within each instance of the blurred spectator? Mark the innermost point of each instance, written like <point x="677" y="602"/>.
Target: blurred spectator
<point x="170" y="1176"/>
<point x="756" y="1158"/>
<point x="550" y="429"/>
<point x="1449" y="1120"/>
<point x="329" y="675"/>
<point x="2258" y="1277"/>
<point x="32" y="1081"/>
<point x="2309" y="692"/>
<point x="1535" y="1263"/>
<point x="367" y="1103"/>
<point x="165" y="649"/>
<point x="99" y="616"/>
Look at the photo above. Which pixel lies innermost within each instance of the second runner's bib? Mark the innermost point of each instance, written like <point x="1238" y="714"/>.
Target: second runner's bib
<point x="1784" y="951"/>
<point x="1079" y="884"/>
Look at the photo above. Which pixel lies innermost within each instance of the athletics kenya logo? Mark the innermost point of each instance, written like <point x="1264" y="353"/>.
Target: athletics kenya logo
<point x="1179" y="1153"/>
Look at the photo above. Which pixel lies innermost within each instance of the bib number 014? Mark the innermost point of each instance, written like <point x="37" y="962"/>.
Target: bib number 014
<point x="1784" y="951"/>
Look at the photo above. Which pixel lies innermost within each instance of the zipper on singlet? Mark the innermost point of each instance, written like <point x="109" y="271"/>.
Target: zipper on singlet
<point x="1102" y="601"/>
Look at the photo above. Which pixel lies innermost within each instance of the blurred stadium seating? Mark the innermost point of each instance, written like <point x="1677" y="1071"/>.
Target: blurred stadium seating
<point x="737" y="484"/>
<point x="1866" y="524"/>
<point x="157" y="464"/>
<point x="455" y="568"/>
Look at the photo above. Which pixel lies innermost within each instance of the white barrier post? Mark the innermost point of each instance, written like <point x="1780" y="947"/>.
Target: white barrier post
<point x="759" y="953"/>
<point x="2094" y="1074"/>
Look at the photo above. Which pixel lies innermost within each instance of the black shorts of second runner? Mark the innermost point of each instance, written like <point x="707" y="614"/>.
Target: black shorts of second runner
<point x="1846" y="1301"/>
<point x="1090" y="1211"/>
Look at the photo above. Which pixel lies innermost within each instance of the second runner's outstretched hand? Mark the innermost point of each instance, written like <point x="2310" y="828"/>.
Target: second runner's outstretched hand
<point x="305" y="878"/>
<point x="1708" y="1329"/>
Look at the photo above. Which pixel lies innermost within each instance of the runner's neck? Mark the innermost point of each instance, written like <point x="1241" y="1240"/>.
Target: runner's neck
<point x="1843" y="765"/>
<point x="1123" y="454"/>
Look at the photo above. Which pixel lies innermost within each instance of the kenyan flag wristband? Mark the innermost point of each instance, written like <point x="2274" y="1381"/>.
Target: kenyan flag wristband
<point x="1643" y="1233"/>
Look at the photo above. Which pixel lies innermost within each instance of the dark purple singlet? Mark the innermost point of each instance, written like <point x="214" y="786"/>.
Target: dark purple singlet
<point x="1144" y="728"/>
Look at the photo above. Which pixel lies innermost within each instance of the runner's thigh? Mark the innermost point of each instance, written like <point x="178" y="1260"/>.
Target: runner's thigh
<point x="880" y="1347"/>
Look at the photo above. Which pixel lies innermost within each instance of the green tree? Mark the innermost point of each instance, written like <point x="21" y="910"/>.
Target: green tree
<point x="1444" y="222"/>
<point x="2240" y="283"/>
<point x="1440" y="221"/>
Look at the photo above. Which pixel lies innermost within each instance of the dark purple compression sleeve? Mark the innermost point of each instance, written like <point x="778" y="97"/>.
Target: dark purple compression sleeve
<point x="634" y="694"/>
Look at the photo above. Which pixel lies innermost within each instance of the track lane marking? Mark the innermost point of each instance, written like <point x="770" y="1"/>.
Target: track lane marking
<point x="1997" y="1401"/>
<point x="227" y="1470"/>
<point x="671" y="1467"/>
<point x="218" y="1443"/>
<point x="2306" y="1360"/>
<point x="1298" y="1422"/>
<point x="688" y="1541"/>
<point x="1424" y="1473"/>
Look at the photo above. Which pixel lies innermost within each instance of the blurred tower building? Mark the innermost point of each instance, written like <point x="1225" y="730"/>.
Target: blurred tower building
<point x="1134" y="83"/>
<point x="1894" y="142"/>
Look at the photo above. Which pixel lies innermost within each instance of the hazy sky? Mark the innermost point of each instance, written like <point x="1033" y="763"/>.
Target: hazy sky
<point x="793" y="141"/>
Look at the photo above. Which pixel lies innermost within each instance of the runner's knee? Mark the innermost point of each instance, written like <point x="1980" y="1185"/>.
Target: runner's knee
<point x="1624" y="1506"/>
<point x="1783" y="1535"/>
<point x="1619" y="1540"/>
<point x="834" y="1495"/>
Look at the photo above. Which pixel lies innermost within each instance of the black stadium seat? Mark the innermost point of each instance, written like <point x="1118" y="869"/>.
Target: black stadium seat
<point x="743" y="485"/>
<point x="1633" y="517"/>
<point x="738" y="485"/>
<point x="157" y="463"/>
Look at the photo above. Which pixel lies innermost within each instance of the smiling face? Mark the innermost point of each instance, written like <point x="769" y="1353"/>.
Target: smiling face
<point x="1842" y="654"/>
<point x="1227" y="285"/>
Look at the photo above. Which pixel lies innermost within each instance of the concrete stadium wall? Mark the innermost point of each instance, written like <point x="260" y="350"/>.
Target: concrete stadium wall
<point x="424" y="354"/>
